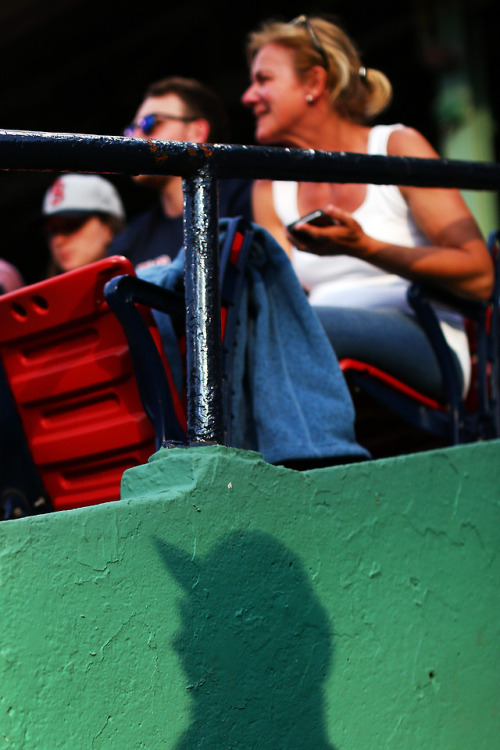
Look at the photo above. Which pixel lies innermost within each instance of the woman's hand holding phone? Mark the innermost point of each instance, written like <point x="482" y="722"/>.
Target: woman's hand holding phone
<point x="318" y="218"/>
<point x="347" y="239"/>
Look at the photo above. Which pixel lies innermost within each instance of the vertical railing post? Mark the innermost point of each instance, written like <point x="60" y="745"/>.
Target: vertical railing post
<point x="203" y="325"/>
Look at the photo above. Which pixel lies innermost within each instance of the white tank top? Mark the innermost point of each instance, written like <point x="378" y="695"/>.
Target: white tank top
<point x="343" y="281"/>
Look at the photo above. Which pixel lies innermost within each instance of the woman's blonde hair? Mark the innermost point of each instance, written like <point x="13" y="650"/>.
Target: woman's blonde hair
<point x="356" y="92"/>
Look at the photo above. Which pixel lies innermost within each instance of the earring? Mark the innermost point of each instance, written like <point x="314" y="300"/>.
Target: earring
<point x="309" y="99"/>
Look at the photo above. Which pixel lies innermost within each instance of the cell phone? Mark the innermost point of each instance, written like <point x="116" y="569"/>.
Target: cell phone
<point x="317" y="218"/>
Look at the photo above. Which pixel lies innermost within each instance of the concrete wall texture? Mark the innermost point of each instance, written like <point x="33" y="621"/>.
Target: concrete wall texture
<point x="226" y="603"/>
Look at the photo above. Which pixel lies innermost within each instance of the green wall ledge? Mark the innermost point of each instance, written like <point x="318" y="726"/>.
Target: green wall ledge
<point x="226" y="603"/>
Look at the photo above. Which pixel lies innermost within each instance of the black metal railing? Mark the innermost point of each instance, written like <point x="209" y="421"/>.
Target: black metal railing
<point x="200" y="166"/>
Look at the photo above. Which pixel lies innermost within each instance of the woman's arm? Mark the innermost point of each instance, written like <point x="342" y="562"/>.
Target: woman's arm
<point x="457" y="260"/>
<point x="265" y="215"/>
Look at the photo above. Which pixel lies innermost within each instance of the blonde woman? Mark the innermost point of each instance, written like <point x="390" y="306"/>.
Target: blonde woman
<point x="310" y="89"/>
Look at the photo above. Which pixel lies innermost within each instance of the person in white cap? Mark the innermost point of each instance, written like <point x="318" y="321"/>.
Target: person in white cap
<point x="81" y="215"/>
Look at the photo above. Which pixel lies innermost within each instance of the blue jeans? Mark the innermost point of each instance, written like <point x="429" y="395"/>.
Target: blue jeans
<point x="386" y="338"/>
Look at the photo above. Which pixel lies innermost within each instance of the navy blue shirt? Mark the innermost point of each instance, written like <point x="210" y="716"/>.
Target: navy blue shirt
<point x="152" y="234"/>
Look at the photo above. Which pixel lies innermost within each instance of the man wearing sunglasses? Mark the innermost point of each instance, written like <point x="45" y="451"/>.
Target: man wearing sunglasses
<point x="176" y="109"/>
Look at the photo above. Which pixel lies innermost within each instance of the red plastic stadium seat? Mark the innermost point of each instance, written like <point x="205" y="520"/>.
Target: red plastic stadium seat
<point x="69" y="369"/>
<point x="456" y="419"/>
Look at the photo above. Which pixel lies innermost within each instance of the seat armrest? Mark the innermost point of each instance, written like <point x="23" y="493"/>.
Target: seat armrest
<point x="420" y="297"/>
<point x="123" y="294"/>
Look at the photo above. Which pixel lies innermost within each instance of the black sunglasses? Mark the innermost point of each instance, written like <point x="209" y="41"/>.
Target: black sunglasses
<point x="61" y="224"/>
<point x="304" y="21"/>
<point x="148" y="123"/>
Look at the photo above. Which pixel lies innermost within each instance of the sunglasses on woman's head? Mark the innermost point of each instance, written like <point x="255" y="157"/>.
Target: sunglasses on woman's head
<point x="304" y="21"/>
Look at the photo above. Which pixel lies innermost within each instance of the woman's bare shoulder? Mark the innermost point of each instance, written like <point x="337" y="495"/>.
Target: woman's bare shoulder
<point x="410" y="142"/>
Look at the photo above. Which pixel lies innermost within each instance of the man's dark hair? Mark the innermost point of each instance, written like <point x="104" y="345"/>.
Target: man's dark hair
<point x="200" y="103"/>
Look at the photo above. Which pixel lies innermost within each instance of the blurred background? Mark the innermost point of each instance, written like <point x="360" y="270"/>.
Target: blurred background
<point x="82" y="66"/>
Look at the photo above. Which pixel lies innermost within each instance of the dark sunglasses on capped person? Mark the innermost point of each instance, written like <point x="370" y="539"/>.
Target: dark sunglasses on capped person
<point x="148" y="123"/>
<point x="61" y="224"/>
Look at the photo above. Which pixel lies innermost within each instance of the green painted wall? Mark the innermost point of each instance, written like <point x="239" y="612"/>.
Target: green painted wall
<point x="226" y="603"/>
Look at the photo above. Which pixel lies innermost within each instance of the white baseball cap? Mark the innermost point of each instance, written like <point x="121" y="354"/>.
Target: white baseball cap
<point x="82" y="193"/>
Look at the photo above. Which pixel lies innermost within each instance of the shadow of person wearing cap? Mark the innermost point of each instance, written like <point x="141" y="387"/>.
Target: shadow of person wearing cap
<point x="255" y="645"/>
<point x="81" y="215"/>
